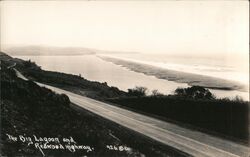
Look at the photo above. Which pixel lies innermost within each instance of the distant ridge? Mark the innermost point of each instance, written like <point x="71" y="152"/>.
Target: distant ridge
<point x="55" y="51"/>
<point x="42" y="50"/>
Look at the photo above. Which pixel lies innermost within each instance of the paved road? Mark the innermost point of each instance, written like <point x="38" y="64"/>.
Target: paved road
<point x="192" y="142"/>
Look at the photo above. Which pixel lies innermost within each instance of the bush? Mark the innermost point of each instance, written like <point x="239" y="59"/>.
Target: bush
<point x="65" y="99"/>
<point x="195" y="92"/>
<point x="155" y="92"/>
<point x="137" y="91"/>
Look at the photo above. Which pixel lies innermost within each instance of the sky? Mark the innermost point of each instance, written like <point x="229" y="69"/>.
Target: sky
<point x="168" y="27"/>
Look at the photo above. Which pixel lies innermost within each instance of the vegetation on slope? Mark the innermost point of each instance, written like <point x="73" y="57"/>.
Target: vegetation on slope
<point x="221" y="116"/>
<point x="28" y="109"/>
<point x="76" y="83"/>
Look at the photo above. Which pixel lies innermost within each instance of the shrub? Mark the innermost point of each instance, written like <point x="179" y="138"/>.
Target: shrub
<point x="155" y="92"/>
<point x="195" y="92"/>
<point x="137" y="91"/>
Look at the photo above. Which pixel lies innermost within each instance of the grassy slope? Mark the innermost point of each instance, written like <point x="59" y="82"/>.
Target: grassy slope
<point x="29" y="109"/>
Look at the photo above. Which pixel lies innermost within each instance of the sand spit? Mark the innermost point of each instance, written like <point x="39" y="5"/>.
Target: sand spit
<point x="178" y="76"/>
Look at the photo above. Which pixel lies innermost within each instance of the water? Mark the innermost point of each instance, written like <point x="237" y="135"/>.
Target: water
<point x="93" y="68"/>
<point x="224" y="68"/>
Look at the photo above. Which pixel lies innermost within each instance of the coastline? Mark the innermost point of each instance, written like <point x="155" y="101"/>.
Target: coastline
<point x="89" y="66"/>
<point x="178" y="76"/>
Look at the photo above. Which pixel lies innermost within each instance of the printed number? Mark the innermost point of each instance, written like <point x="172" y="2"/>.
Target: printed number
<point x="118" y="148"/>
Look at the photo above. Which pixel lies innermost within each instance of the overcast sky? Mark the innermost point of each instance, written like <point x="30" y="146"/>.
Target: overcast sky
<point x="180" y="27"/>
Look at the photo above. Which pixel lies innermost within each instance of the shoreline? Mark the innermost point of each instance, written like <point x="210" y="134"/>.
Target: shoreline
<point x="178" y="76"/>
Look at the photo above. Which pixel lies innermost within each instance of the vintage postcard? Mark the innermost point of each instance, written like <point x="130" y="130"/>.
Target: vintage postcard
<point x="124" y="78"/>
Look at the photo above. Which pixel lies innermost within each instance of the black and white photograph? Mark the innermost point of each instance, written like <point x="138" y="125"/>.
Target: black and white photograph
<point x="142" y="78"/>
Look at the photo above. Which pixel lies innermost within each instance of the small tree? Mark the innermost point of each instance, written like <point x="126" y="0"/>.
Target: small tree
<point x="237" y="98"/>
<point x="137" y="91"/>
<point x="155" y="92"/>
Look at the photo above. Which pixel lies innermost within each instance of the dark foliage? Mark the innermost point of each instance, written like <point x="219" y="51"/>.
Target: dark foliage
<point x="156" y="93"/>
<point x="195" y="92"/>
<point x="224" y="117"/>
<point x="137" y="91"/>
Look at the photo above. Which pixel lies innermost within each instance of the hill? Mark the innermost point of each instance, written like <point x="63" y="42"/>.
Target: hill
<point x="36" y="115"/>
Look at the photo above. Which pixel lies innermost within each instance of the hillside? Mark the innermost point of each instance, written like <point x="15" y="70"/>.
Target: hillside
<point x="28" y="110"/>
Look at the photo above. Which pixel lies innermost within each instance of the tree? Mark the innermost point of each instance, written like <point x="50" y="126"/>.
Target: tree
<point x="137" y="91"/>
<point x="195" y="92"/>
<point x="237" y="98"/>
<point x="155" y="92"/>
<point x="180" y="91"/>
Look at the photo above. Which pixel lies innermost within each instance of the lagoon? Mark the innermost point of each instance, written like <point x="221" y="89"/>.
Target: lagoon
<point x="94" y="68"/>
